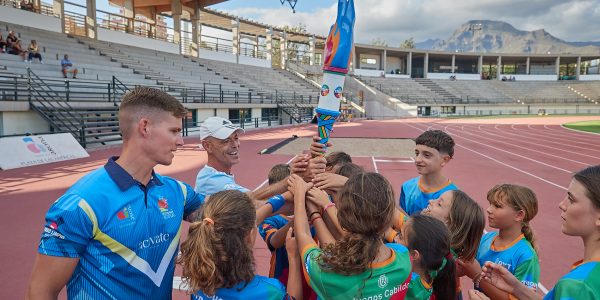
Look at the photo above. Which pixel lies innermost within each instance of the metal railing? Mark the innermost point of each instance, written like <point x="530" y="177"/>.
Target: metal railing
<point x="15" y="88"/>
<point x="399" y="93"/>
<point x="253" y="50"/>
<point x="216" y="44"/>
<point x="43" y="9"/>
<point x="75" y="23"/>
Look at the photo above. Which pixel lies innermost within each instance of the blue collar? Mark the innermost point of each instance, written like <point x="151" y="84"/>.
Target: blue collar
<point x="123" y="179"/>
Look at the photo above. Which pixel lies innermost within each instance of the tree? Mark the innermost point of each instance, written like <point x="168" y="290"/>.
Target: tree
<point x="379" y="42"/>
<point x="408" y="44"/>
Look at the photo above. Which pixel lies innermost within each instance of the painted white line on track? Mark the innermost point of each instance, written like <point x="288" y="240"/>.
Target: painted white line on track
<point x="511" y="153"/>
<point x="538" y="144"/>
<point x="579" y="131"/>
<point x="374" y="164"/>
<point x="514" y="145"/>
<point x="392" y="161"/>
<point x="505" y="164"/>
<point x="553" y="140"/>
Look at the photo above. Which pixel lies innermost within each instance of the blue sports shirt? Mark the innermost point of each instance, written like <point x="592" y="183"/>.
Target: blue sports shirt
<point x="259" y="288"/>
<point x="583" y="282"/>
<point x="519" y="258"/>
<point x="125" y="234"/>
<point x="414" y="199"/>
<point x="210" y="181"/>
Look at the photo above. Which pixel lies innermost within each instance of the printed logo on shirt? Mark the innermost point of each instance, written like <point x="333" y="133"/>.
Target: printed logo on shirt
<point x="383" y="281"/>
<point x="126" y="216"/>
<point x="163" y="205"/>
<point x="51" y="229"/>
<point x="154" y="241"/>
<point x="506" y="265"/>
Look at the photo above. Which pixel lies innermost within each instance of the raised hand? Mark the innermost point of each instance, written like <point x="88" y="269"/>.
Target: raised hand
<point x="329" y="181"/>
<point x="297" y="185"/>
<point x="338" y="47"/>
<point x="318" y="197"/>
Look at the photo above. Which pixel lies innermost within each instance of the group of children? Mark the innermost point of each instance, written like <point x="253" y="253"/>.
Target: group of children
<point x="346" y="237"/>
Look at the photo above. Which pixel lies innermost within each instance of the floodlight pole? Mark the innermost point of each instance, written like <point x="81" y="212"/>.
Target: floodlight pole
<point x="474" y="28"/>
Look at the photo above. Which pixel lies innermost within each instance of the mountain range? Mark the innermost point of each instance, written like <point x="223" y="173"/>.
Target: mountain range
<point x="501" y="37"/>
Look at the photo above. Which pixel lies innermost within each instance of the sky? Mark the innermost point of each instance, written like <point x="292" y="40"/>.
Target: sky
<point x="397" y="20"/>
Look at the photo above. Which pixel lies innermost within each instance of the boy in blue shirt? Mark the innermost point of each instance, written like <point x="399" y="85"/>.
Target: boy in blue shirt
<point x="433" y="150"/>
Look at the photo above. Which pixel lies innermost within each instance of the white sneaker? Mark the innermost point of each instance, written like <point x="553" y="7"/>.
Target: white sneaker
<point x="41" y="62"/>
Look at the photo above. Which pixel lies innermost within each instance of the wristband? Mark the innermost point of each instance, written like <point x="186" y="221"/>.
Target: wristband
<point x="313" y="220"/>
<point x="276" y="202"/>
<point x="312" y="213"/>
<point x="330" y="204"/>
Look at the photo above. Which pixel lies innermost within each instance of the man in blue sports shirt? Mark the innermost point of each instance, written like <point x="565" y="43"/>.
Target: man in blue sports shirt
<point x="115" y="233"/>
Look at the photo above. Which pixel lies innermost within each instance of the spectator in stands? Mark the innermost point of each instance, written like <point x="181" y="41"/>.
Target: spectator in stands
<point x="34" y="51"/>
<point x="26" y="5"/>
<point x="67" y="67"/>
<point x="2" y="44"/>
<point x="17" y="49"/>
<point x="11" y="39"/>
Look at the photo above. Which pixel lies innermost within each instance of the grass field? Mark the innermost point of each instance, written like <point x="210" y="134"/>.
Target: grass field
<point x="513" y="116"/>
<point x="589" y="126"/>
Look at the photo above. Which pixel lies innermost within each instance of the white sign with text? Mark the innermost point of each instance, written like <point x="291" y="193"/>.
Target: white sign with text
<point x="24" y="151"/>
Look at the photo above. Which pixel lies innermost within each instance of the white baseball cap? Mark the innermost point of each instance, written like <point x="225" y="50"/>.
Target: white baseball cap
<point x="217" y="127"/>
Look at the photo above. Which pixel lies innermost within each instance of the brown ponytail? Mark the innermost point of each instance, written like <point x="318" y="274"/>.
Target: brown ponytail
<point x="519" y="198"/>
<point x="216" y="253"/>
<point x="365" y="210"/>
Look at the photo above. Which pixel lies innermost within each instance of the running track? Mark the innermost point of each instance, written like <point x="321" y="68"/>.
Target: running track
<point x="536" y="152"/>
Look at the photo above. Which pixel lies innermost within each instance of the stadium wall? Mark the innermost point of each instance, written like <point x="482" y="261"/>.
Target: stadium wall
<point x="459" y="76"/>
<point x="21" y="122"/>
<point x="136" y="41"/>
<point x="29" y="19"/>
<point x="514" y="109"/>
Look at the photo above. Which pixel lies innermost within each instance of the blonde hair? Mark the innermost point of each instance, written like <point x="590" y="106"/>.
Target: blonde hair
<point x="519" y="198"/>
<point x="216" y="253"/>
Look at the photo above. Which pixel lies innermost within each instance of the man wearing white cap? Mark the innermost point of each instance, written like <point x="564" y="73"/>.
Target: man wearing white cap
<point x="219" y="137"/>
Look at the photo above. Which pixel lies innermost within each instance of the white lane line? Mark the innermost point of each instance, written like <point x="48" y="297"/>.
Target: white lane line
<point x="514" y="145"/>
<point x="392" y="161"/>
<point x="554" y="141"/>
<point x="505" y="164"/>
<point x="374" y="164"/>
<point x="579" y="131"/>
<point x="511" y="153"/>
<point x="539" y="144"/>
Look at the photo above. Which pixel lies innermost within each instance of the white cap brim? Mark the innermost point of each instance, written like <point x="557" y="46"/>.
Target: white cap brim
<point x="224" y="132"/>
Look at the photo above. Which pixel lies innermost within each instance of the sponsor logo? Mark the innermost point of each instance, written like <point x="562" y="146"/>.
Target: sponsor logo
<point x="154" y="241"/>
<point x="126" y="216"/>
<point x="32" y="146"/>
<point x="324" y="90"/>
<point x="337" y="92"/>
<point x="383" y="281"/>
<point x="123" y="214"/>
<point x="163" y="206"/>
<point x="51" y="229"/>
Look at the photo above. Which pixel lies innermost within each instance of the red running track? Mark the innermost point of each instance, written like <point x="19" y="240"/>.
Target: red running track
<point x="536" y="152"/>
